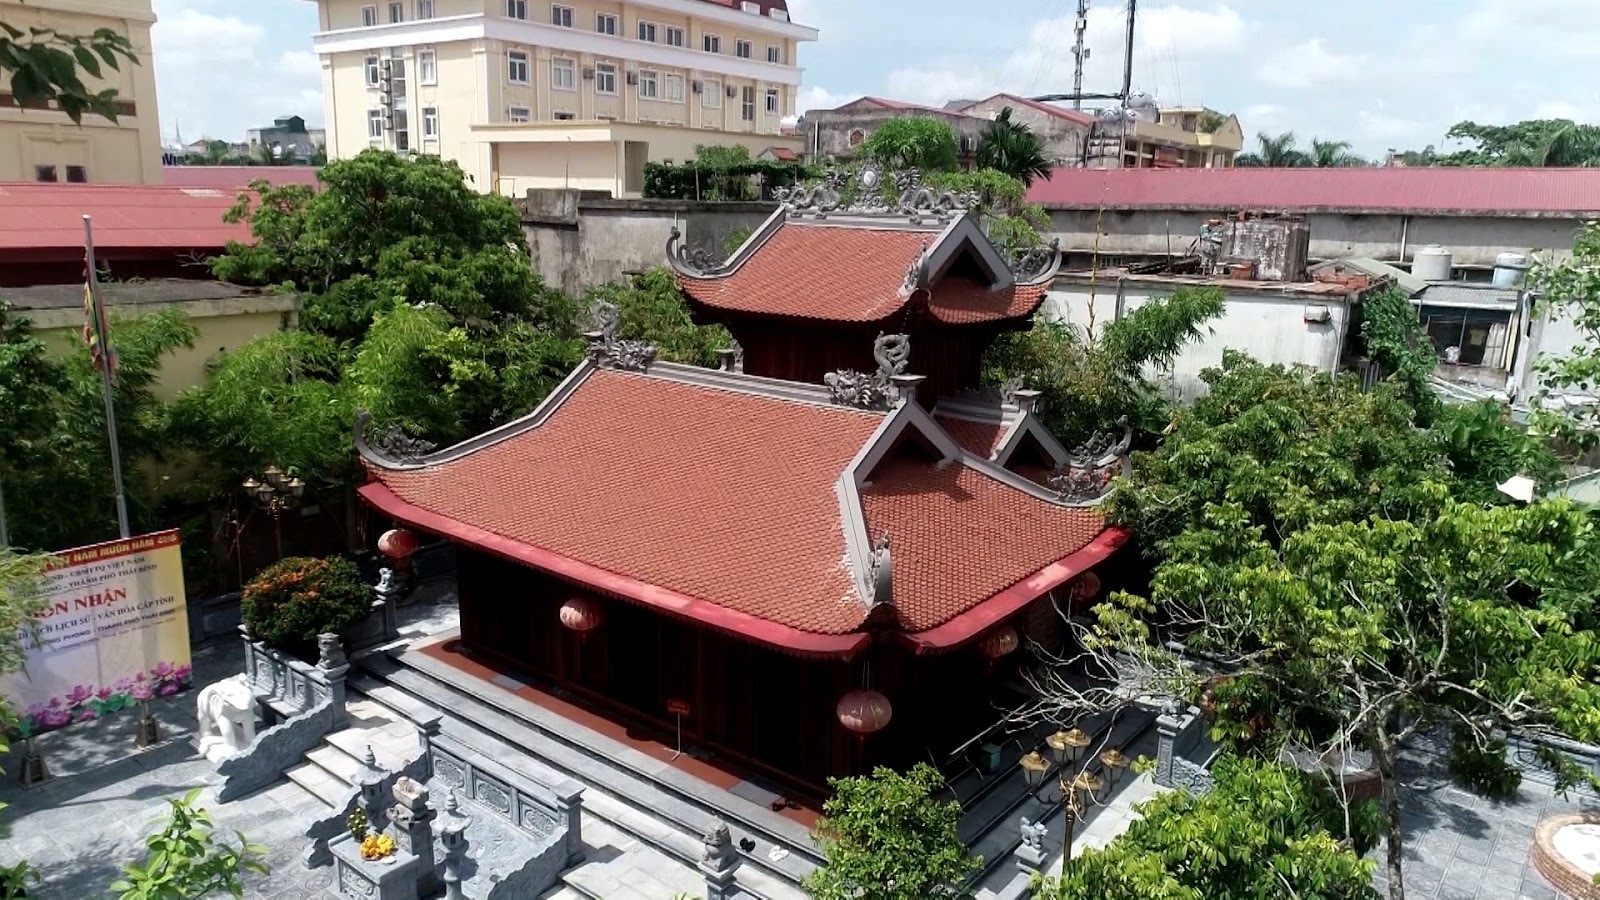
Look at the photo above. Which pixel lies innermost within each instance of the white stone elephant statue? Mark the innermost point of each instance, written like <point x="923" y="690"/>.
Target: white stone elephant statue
<point x="227" y="716"/>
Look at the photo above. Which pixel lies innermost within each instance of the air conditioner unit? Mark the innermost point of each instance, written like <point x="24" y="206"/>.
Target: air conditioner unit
<point x="697" y="86"/>
<point x="607" y="117"/>
<point x="588" y="73"/>
<point x="732" y="91"/>
<point x="633" y="78"/>
<point x="648" y="122"/>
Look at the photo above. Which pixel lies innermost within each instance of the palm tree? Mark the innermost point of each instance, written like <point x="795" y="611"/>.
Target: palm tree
<point x="1012" y="148"/>
<point x="1334" y="155"/>
<point x="1278" y="152"/>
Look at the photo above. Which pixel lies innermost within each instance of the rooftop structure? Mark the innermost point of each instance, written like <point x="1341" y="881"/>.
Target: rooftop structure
<point x="570" y="95"/>
<point x="43" y="144"/>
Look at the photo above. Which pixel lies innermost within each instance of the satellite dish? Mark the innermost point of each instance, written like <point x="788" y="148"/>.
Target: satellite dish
<point x="1140" y="100"/>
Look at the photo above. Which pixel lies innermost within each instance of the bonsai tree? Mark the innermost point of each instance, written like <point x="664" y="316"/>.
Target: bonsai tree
<point x="296" y="599"/>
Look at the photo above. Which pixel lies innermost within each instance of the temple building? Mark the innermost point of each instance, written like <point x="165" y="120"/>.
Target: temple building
<point x="816" y="560"/>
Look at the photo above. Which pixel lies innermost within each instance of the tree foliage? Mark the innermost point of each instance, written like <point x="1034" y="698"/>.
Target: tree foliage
<point x="1011" y="147"/>
<point x="1314" y="540"/>
<point x="1542" y="143"/>
<point x="913" y="142"/>
<point x="1011" y="222"/>
<point x="1282" y="151"/>
<point x="1088" y="379"/>
<point x="885" y="837"/>
<point x="1571" y="287"/>
<point x="652" y="309"/>
<point x="47" y="67"/>
<point x="1263" y="831"/>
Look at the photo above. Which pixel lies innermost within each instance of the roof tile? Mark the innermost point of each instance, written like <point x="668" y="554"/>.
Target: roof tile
<point x="978" y="438"/>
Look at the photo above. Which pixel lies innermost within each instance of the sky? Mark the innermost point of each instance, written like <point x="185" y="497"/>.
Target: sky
<point x="1378" y="73"/>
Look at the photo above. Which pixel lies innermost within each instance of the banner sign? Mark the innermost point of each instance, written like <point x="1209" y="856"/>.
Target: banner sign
<point x="114" y="632"/>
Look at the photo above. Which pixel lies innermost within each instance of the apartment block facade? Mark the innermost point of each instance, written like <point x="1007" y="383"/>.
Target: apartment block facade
<point x="42" y="144"/>
<point x="579" y="93"/>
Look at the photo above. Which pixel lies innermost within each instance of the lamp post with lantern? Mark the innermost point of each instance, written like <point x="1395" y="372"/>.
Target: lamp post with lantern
<point x="275" y="492"/>
<point x="1077" y="787"/>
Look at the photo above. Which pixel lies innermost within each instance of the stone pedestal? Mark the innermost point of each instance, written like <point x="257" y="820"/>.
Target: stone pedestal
<point x="1175" y="732"/>
<point x="1030" y="853"/>
<point x="411" y="825"/>
<point x="718" y="863"/>
<point x="394" y="878"/>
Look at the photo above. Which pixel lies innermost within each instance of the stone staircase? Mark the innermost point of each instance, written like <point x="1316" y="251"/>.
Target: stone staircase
<point x="330" y="769"/>
<point x="645" y="801"/>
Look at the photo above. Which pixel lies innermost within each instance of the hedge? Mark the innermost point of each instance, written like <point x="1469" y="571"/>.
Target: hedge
<point x="746" y="181"/>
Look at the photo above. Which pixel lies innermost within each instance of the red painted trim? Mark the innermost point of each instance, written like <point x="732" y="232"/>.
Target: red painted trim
<point x="1008" y="602"/>
<point x="731" y="621"/>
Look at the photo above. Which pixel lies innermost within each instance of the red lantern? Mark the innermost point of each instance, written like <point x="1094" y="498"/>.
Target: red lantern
<point x="397" y="543"/>
<point x="864" y="711"/>
<point x="1087" y="585"/>
<point x="581" y="615"/>
<point x="999" y="642"/>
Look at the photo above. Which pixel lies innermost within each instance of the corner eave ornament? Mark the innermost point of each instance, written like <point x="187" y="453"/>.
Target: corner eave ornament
<point x="847" y="387"/>
<point x="1037" y="264"/>
<point x="607" y="351"/>
<point x="389" y="444"/>
<point x="1091" y="466"/>
<point x="693" y="260"/>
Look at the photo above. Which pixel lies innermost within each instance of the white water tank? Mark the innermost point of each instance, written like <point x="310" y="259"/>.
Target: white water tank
<point x="1432" y="263"/>
<point x="1509" y="269"/>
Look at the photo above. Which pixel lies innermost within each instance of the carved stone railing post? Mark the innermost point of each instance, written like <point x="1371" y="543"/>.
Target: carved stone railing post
<point x="453" y="838"/>
<point x="428" y="727"/>
<point x="329" y="675"/>
<point x="569" y="807"/>
<point x="718" y="863"/>
<point x="411" y="824"/>
<point x="1170" y="728"/>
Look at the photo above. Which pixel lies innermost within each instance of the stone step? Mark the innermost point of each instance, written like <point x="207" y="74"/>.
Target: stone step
<point x="318" y="782"/>
<point x="335" y="762"/>
<point x="604" y="766"/>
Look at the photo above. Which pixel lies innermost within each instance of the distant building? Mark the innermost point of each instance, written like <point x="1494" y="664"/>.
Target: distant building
<point x="838" y="133"/>
<point x="576" y="94"/>
<point x="288" y="136"/>
<point x="1176" y="138"/>
<point x="42" y="144"/>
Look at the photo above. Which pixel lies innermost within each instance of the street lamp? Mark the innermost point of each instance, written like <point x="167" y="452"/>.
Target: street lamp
<point x="1078" y="790"/>
<point x="275" y="492"/>
<point x="1067" y="746"/>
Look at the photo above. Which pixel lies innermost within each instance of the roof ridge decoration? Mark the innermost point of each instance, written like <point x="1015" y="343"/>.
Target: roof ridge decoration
<point x="917" y="202"/>
<point x="391" y="444"/>
<point x="880" y="576"/>
<point x="847" y="387"/>
<point x="1034" y="265"/>
<point x="609" y="352"/>
<point x="693" y="259"/>
<point x="1091" y="464"/>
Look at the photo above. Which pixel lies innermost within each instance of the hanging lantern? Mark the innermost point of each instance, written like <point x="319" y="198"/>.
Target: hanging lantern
<point x="999" y="642"/>
<point x="864" y="711"/>
<point x="1087" y="585"/>
<point x="581" y="615"/>
<point x="397" y="543"/>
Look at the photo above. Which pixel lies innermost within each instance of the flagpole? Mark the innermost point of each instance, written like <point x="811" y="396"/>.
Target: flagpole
<point x="105" y="378"/>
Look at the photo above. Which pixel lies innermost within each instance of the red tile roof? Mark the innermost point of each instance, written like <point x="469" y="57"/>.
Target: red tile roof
<point x="978" y="438"/>
<point x="237" y="178"/>
<point x="50" y="216"/>
<point x="723" y="506"/>
<point x="944" y="524"/>
<point x="1440" y="191"/>
<point x="886" y="103"/>
<point x="849" y="274"/>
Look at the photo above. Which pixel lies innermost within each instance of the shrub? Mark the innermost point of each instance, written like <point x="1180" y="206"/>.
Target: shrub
<point x="296" y="599"/>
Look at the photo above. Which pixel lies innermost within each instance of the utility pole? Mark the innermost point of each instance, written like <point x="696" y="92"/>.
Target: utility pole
<point x="1079" y="53"/>
<point x="1127" y="58"/>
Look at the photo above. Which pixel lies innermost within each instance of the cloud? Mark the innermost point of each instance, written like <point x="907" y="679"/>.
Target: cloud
<point x="220" y="71"/>
<point x="817" y="97"/>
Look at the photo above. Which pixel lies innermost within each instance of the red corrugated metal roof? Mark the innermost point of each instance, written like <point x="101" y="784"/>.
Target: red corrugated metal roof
<point x="50" y="216"/>
<point x="238" y="177"/>
<point x="1439" y="191"/>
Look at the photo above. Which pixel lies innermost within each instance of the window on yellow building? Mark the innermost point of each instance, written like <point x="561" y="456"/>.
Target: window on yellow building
<point x="374" y="125"/>
<point x="649" y="85"/>
<point x="774" y="54"/>
<point x="397" y="13"/>
<point x="647" y="31"/>
<point x="564" y="73"/>
<point x="772" y="102"/>
<point x="430" y="123"/>
<point x="77" y="175"/>
<point x="402" y="132"/>
<point x="711" y="96"/>
<point x="45" y="173"/>
<point x="743" y="49"/>
<point x="561" y="16"/>
<point x="517" y="66"/>
<point x="517" y="9"/>
<point x="427" y="67"/>
<point x="674" y="36"/>
<point x="519" y="114"/>
<point x="605" y="78"/>
<point x="424" y="9"/>
<point x="369" y="16"/>
<point x="374" y="74"/>
<point x="747" y="103"/>
<point x="605" y="23"/>
<point x="711" y="43"/>
<point x="672" y="88"/>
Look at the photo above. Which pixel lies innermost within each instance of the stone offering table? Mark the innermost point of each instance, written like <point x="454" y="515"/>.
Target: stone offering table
<point x="392" y="878"/>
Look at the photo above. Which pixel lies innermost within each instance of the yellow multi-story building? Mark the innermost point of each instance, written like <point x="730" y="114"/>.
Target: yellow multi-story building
<point x="42" y="144"/>
<point x="577" y="93"/>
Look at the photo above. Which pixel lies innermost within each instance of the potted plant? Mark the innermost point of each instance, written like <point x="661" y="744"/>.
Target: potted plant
<point x="298" y="598"/>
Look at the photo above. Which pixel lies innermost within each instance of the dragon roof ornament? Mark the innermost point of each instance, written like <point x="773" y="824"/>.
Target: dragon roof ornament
<point x="847" y="387"/>
<point x="389" y="444"/>
<point x="1091" y="465"/>
<point x="866" y="192"/>
<point x="609" y="352"/>
<point x="1035" y="264"/>
<point x="693" y="259"/>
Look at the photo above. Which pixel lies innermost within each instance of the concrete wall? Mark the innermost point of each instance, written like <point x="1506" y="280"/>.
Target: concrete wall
<point x="1475" y="240"/>
<point x="839" y="133"/>
<point x="579" y="242"/>
<point x="1271" y="328"/>
<point x="1063" y="139"/>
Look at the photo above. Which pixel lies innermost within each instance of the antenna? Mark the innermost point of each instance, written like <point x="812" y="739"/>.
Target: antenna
<point x="1081" y="53"/>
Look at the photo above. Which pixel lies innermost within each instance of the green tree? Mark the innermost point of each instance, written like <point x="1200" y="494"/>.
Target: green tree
<point x="1210" y="120"/>
<point x="1263" y="831"/>
<point x="652" y="309"/>
<point x="711" y="156"/>
<point x="1541" y="143"/>
<point x="46" y="66"/>
<point x="1334" y="155"/>
<point x="1011" y="221"/>
<point x="913" y="142"/>
<point x="1089" y="378"/>
<point x="1011" y="147"/>
<point x="186" y="861"/>
<point x="1274" y="151"/>
<point x="412" y="370"/>
<point x="1571" y="287"/>
<point x="885" y="837"/>
<point x="1311" y="537"/>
